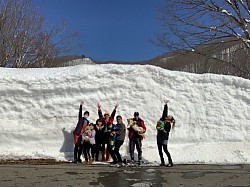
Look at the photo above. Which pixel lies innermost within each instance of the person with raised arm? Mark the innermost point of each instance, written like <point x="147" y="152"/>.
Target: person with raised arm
<point x="163" y="128"/>
<point x="107" y="120"/>
<point x="79" y="129"/>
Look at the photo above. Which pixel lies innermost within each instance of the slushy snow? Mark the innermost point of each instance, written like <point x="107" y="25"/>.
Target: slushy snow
<point x="39" y="110"/>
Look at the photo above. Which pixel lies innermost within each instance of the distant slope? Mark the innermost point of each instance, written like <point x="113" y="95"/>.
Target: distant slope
<point x="229" y="57"/>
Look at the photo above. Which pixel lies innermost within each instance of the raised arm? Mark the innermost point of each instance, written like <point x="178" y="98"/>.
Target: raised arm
<point x="99" y="111"/>
<point x="114" y="111"/>
<point x="165" y="111"/>
<point x="80" y="110"/>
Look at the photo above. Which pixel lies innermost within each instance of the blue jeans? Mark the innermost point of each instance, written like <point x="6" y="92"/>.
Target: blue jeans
<point x="135" y="141"/>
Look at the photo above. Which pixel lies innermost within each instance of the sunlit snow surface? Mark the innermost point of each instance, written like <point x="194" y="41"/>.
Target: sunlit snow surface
<point x="39" y="109"/>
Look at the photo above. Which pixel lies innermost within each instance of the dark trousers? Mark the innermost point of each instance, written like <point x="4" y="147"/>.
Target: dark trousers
<point x="115" y="154"/>
<point x="135" y="141"/>
<point x="99" y="147"/>
<point x="93" y="151"/>
<point x="77" y="152"/>
<point x="165" y="148"/>
<point x="86" y="150"/>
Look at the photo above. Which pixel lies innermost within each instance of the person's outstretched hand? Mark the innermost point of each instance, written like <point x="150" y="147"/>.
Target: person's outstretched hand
<point x="116" y="106"/>
<point x="98" y="105"/>
<point x="166" y="101"/>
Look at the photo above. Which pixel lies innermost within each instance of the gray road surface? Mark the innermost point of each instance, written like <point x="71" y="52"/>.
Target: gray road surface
<point x="103" y="175"/>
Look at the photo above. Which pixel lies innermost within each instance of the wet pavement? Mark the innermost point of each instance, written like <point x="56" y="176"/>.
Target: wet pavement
<point x="103" y="175"/>
<point x="132" y="177"/>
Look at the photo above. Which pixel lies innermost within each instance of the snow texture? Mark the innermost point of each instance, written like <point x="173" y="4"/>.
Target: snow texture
<point x="39" y="109"/>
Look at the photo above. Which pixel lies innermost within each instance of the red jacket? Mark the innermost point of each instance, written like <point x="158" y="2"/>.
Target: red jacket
<point x="110" y="119"/>
<point x="140" y="123"/>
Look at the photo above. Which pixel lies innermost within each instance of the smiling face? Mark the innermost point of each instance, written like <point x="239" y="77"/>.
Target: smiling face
<point x="106" y="116"/>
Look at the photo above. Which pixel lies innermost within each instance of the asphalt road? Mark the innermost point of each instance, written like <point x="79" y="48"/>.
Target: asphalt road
<point x="103" y="175"/>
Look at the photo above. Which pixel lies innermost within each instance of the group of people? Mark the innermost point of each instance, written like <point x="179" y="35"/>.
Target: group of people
<point x="106" y="136"/>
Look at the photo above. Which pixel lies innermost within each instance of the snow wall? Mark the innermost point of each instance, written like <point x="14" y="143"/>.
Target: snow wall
<point x="39" y="109"/>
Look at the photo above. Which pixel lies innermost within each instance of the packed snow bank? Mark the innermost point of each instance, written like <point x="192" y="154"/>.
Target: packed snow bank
<point x="39" y="109"/>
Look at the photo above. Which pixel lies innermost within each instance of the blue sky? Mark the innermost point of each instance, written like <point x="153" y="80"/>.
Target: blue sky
<point x="109" y="29"/>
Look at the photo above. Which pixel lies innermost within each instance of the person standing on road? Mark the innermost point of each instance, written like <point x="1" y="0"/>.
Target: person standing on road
<point x="100" y="139"/>
<point x="135" y="138"/>
<point x="120" y="137"/>
<point x="79" y="129"/>
<point x="113" y="129"/>
<point x="88" y="142"/>
<point x="107" y="120"/>
<point x="163" y="128"/>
